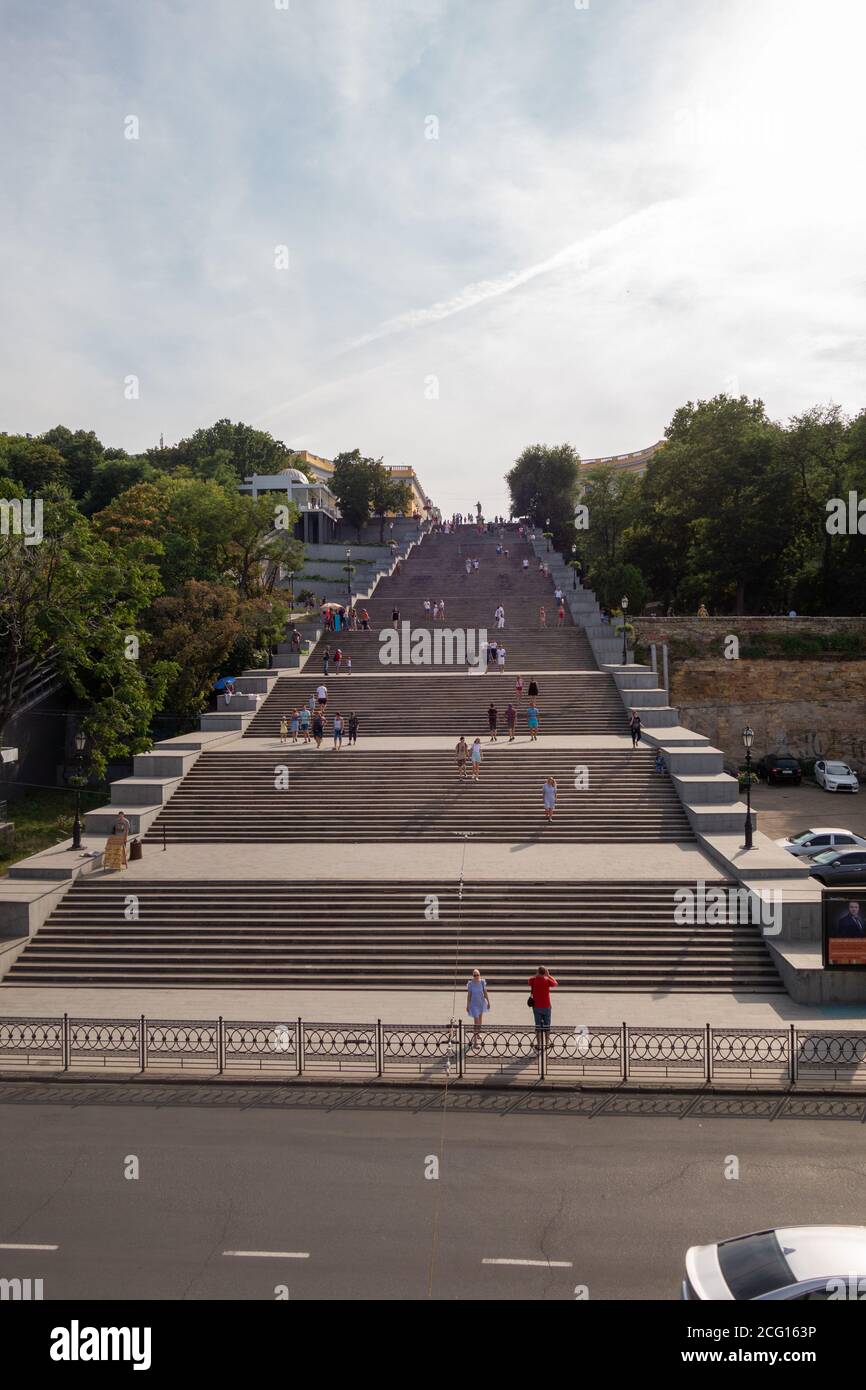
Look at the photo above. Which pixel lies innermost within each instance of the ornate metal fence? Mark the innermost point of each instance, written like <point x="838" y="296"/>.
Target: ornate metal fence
<point x="608" y="1054"/>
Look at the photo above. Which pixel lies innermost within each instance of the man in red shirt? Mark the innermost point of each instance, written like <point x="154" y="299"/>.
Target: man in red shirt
<point x="540" y="986"/>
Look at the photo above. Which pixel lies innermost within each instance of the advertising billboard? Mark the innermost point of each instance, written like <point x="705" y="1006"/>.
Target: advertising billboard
<point x="845" y="929"/>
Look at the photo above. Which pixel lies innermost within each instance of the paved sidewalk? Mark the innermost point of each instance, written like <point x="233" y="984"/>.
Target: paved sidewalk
<point x="425" y="742"/>
<point x="424" y="1006"/>
<point x="529" y="859"/>
<point x="342" y="679"/>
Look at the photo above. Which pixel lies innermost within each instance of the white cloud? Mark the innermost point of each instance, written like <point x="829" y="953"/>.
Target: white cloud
<point x="627" y="207"/>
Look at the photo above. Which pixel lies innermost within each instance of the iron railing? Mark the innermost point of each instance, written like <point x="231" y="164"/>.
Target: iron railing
<point x="607" y="1054"/>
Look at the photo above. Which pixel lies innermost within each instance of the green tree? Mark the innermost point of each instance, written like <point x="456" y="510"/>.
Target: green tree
<point x="717" y="514"/>
<point x="611" y="579"/>
<point x="71" y="603"/>
<point x="351" y="485"/>
<point x="827" y="456"/>
<point x="31" y="463"/>
<point x="544" y="483"/>
<point x="257" y="552"/>
<point x="388" y="495"/>
<point x="225" y="449"/>
<point x="195" y="630"/>
<point x="202" y="631"/>
<point x="112" y="477"/>
<point x="194" y="528"/>
<point x="365" y="488"/>
<point x="82" y="452"/>
<point x="612" y="500"/>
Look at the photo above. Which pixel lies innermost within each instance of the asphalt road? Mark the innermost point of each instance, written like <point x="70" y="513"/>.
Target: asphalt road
<point x="607" y="1200"/>
<point x="786" y="811"/>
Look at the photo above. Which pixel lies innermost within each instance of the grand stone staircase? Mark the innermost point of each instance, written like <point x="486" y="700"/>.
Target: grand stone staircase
<point x="436" y="570"/>
<point x="358" y="795"/>
<point x="606" y="934"/>
<point x="599" y="936"/>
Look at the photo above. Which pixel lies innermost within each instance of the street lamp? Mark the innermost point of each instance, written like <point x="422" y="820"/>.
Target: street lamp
<point x="349" y="574"/>
<point x="547" y="529"/>
<point x="574" y="567"/>
<point x="80" y="744"/>
<point x="291" y="593"/>
<point x="748" y="735"/>
<point x="623" y="603"/>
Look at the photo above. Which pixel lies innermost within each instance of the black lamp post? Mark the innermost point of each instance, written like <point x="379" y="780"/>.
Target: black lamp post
<point x="623" y="603"/>
<point x="574" y="567"/>
<point x="80" y="744"/>
<point x="748" y="735"/>
<point x="349" y="575"/>
<point x="548" y="535"/>
<point x="291" y="593"/>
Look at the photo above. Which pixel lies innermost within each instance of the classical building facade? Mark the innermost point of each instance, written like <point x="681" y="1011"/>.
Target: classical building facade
<point x="623" y="463"/>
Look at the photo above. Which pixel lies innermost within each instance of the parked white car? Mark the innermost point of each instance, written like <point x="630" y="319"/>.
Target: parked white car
<point x="800" y="1263"/>
<point x="836" y="777"/>
<point x="820" y="838"/>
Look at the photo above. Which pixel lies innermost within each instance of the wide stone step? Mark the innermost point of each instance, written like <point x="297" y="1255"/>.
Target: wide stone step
<point x="449" y="704"/>
<point x="340" y="936"/>
<point x="293" y="794"/>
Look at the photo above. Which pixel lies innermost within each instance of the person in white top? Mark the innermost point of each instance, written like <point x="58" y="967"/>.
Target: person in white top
<point x="468" y="566"/>
<point x="526" y="564"/>
<point x="322" y="694"/>
<point x="500" y="659"/>
<point x="499" y="615"/>
<point x="426" y="608"/>
<point x="475" y="757"/>
<point x="558" y="594"/>
<point x="442" y="609"/>
<point x="475" y="564"/>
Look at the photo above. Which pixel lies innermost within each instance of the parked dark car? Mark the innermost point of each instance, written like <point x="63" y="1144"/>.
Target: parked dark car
<point x="777" y="769"/>
<point x="842" y="868"/>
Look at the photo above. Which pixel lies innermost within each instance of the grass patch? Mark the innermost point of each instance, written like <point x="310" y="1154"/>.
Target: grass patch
<point x="43" y="818"/>
<point x="776" y="645"/>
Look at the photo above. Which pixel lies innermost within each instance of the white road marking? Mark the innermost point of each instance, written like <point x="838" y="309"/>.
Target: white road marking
<point x="542" y="1264"/>
<point x="270" y="1254"/>
<point x="29" y="1247"/>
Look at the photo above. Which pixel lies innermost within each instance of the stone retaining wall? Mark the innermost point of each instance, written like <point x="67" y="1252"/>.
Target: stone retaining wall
<point x="809" y="708"/>
<point x="711" y="632"/>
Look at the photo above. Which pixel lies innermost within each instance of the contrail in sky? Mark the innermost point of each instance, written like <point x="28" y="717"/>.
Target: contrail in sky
<point x="583" y="254"/>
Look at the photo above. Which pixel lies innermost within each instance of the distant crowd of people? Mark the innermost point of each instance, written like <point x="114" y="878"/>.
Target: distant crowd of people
<point x="307" y="724"/>
<point x="344" y="619"/>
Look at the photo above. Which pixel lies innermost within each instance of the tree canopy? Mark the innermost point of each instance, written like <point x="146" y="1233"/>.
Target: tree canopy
<point x="72" y="602"/>
<point x="365" y="488"/>
<point x="731" y="512"/>
<point x="225" y="449"/>
<point x="543" y="485"/>
<point x="147" y="578"/>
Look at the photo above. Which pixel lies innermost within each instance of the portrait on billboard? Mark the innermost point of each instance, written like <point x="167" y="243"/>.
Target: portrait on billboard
<point x="844" y="930"/>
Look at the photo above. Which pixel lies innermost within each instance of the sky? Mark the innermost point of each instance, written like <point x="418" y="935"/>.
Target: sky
<point x="435" y="230"/>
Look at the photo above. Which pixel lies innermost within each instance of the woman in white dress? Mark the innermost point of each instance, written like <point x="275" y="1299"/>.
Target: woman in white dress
<point x="477" y="1004"/>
